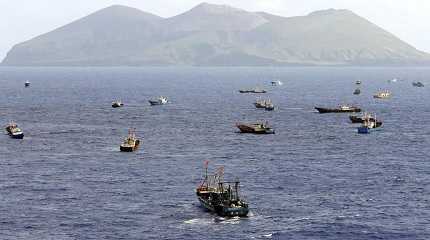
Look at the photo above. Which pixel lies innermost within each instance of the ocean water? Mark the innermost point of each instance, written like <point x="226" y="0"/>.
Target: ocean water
<point x="316" y="178"/>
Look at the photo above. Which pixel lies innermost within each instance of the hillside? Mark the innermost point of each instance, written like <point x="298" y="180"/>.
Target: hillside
<point x="214" y="35"/>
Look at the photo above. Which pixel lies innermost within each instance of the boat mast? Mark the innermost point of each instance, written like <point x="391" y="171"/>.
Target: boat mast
<point x="206" y="169"/>
<point x="236" y="189"/>
<point x="220" y="174"/>
<point x="206" y="164"/>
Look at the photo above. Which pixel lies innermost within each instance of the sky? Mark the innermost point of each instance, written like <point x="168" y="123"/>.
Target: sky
<point x="21" y="20"/>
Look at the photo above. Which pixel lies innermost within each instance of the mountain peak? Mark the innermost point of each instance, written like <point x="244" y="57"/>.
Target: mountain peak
<point x="214" y="8"/>
<point x="121" y="11"/>
<point x="332" y="11"/>
<point x="118" y="8"/>
<point x="212" y="17"/>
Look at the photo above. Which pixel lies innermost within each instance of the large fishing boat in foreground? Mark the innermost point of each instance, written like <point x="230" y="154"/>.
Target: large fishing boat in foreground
<point x="340" y="109"/>
<point x="221" y="197"/>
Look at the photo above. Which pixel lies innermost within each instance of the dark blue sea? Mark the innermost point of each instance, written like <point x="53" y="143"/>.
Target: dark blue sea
<point x="316" y="178"/>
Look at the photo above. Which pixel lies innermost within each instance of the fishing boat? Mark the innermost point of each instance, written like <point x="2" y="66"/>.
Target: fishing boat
<point x="357" y="91"/>
<point x="260" y="103"/>
<point x="340" y="109"/>
<point x="277" y="83"/>
<point x="382" y="94"/>
<point x="417" y="84"/>
<point x="255" y="90"/>
<point x="255" y="128"/>
<point x="367" y="126"/>
<point x="269" y="106"/>
<point x="117" y="104"/>
<point x="27" y="84"/>
<point x="14" y="131"/>
<point x="358" y="82"/>
<point x="221" y="197"/>
<point x="131" y="143"/>
<point x="159" y="101"/>
<point x="365" y="117"/>
<point x="266" y="104"/>
<point x="394" y="80"/>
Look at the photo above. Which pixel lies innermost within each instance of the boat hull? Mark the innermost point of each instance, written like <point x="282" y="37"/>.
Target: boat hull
<point x="223" y="211"/>
<point x="381" y="97"/>
<point x="269" y="108"/>
<point x="259" y="105"/>
<point x="17" y="136"/>
<point x="116" y="105"/>
<point x="155" y="103"/>
<point x="123" y="148"/>
<point x="363" y="130"/>
<point x="337" y="110"/>
<point x="250" y="129"/>
<point x="253" y="91"/>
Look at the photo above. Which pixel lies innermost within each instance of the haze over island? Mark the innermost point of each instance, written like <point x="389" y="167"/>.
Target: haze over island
<point x="215" y="35"/>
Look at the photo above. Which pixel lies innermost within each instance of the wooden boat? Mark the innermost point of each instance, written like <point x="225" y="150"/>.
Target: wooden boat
<point x="364" y="118"/>
<point x="117" y="104"/>
<point x="14" y="131"/>
<point x="340" y="109"/>
<point x="358" y="82"/>
<point x="382" y="94"/>
<point x="417" y="84"/>
<point x="131" y="143"/>
<point x="220" y="197"/>
<point x="159" y="101"/>
<point x="255" y="128"/>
